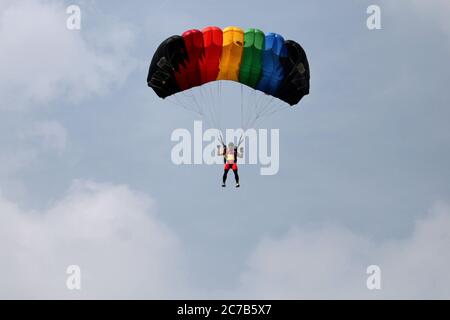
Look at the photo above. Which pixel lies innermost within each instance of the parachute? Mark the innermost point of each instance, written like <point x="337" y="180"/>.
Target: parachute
<point x="266" y="63"/>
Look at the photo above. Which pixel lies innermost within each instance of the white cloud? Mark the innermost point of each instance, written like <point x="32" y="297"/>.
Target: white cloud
<point x="125" y="251"/>
<point x="42" y="60"/>
<point x="331" y="263"/>
<point x="323" y="263"/>
<point x="111" y="232"/>
<point x="417" y="267"/>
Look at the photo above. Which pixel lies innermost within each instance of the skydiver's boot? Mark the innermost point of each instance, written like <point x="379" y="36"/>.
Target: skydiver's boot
<point x="236" y="177"/>
<point x="224" y="185"/>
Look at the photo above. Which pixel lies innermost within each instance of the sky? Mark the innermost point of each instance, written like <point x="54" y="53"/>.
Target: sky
<point x="86" y="176"/>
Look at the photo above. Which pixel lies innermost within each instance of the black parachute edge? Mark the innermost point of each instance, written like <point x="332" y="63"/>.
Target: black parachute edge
<point x="295" y="84"/>
<point x="167" y="59"/>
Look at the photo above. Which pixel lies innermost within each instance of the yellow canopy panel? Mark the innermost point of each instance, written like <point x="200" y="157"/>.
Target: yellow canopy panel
<point x="230" y="61"/>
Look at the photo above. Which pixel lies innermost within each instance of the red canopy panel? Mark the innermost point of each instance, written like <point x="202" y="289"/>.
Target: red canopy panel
<point x="189" y="74"/>
<point x="212" y="43"/>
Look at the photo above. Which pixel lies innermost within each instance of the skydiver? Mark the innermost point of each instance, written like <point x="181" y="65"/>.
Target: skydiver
<point x="230" y="156"/>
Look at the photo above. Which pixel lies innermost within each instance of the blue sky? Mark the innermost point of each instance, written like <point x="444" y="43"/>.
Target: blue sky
<point x="86" y="176"/>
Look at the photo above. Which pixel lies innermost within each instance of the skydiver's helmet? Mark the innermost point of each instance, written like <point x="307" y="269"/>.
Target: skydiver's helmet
<point x="231" y="146"/>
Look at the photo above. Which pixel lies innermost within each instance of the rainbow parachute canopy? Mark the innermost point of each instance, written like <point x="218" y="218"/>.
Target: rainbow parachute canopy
<point x="264" y="62"/>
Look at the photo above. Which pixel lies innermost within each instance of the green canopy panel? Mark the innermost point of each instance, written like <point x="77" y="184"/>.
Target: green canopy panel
<point x="252" y="57"/>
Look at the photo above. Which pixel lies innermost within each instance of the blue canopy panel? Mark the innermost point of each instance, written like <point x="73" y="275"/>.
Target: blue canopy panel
<point x="272" y="69"/>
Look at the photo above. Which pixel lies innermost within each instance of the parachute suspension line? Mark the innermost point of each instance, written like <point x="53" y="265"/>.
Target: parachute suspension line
<point x="240" y="140"/>
<point x="185" y="105"/>
<point x="272" y="109"/>
<point x="191" y="104"/>
<point x="254" y="102"/>
<point x="196" y="104"/>
<point x="195" y="107"/>
<point x="242" y="106"/>
<point x="219" y="105"/>
<point x="199" y="107"/>
<point x="263" y="109"/>
<point x="254" y="107"/>
<point x="221" y="138"/>
<point x="246" y="112"/>
<point x="258" y="111"/>
<point x="209" y="104"/>
<point x="208" y="116"/>
<point x="216" y="99"/>
<point x="220" y="102"/>
<point x="179" y="104"/>
<point x="214" y="106"/>
<point x="201" y="102"/>
<point x="279" y="106"/>
<point x="217" y="109"/>
<point x="242" y="116"/>
<point x="260" y="100"/>
<point x="276" y="107"/>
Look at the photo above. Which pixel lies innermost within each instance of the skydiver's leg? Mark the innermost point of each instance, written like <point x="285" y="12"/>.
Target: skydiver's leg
<point x="225" y="173"/>
<point x="236" y="175"/>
